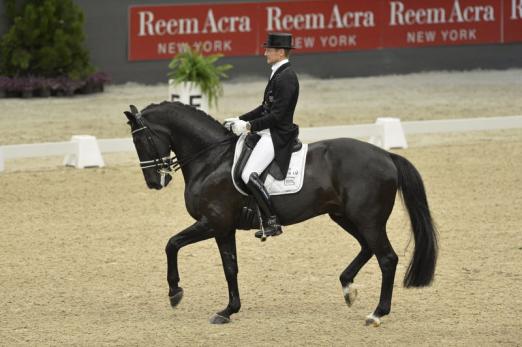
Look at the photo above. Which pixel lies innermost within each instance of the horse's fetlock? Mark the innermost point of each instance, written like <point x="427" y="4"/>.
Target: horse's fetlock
<point x="345" y="281"/>
<point x="382" y="311"/>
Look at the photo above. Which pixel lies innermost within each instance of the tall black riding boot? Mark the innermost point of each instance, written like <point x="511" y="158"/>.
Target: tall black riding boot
<point x="271" y="224"/>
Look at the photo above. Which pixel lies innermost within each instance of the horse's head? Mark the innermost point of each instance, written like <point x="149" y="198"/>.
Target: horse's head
<point x="152" y="143"/>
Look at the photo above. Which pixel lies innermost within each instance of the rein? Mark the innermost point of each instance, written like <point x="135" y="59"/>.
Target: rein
<point x="178" y="164"/>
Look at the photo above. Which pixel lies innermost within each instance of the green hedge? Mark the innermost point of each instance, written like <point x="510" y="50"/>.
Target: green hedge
<point x="45" y="39"/>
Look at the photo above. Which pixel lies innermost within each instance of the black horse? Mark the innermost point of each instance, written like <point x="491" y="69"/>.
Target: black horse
<point x="353" y="181"/>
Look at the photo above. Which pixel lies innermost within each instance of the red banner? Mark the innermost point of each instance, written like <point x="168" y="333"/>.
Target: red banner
<point x="413" y="23"/>
<point x="324" y="26"/>
<point x="512" y="30"/>
<point x="160" y="32"/>
<point x="239" y="29"/>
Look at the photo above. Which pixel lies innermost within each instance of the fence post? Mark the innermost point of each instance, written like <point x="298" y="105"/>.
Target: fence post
<point x="392" y="133"/>
<point x="86" y="154"/>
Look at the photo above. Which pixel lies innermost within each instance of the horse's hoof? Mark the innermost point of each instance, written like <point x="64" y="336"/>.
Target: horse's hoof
<point x="350" y="294"/>
<point x="218" y="319"/>
<point x="373" y="320"/>
<point x="176" y="298"/>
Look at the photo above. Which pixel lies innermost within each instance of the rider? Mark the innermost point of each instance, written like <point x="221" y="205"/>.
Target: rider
<point x="273" y="121"/>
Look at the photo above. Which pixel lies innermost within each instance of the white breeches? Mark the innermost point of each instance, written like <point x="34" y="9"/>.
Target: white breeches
<point x="261" y="156"/>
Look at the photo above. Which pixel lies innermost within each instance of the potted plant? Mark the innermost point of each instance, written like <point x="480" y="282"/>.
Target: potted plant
<point x="44" y="86"/>
<point x="65" y="86"/>
<point x="195" y="79"/>
<point x="23" y="86"/>
<point x="95" y="82"/>
<point x="71" y="86"/>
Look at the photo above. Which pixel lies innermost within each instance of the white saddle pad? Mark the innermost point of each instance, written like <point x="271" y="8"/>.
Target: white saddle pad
<point x="294" y="178"/>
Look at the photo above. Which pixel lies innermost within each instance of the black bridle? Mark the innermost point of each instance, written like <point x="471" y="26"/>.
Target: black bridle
<point x="165" y="165"/>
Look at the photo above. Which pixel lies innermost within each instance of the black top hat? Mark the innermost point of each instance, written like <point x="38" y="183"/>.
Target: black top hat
<point x="279" y="40"/>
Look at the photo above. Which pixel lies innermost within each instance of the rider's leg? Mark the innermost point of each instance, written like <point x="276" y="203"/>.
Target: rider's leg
<point x="262" y="155"/>
<point x="271" y="225"/>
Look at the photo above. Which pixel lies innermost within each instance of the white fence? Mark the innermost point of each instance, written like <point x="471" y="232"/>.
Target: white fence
<point x="306" y="135"/>
<point x="412" y="127"/>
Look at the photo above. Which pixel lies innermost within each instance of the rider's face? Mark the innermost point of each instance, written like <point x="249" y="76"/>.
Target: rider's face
<point x="274" y="55"/>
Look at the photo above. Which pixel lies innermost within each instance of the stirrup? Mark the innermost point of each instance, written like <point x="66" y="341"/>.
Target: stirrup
<point x="273" y="228"/>
<point x="263" y="234"/>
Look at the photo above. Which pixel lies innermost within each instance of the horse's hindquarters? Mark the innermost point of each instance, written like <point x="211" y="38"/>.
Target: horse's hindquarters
<point x="342" y="176"/>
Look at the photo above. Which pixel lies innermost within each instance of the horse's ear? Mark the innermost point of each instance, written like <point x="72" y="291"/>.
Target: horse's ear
<point x="133" y="109"/>
<point x="130" y="116"/>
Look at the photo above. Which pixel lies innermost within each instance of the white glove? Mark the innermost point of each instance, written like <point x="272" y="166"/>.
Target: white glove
<point x="239" y="127"/>
<point x="227" y="123"/>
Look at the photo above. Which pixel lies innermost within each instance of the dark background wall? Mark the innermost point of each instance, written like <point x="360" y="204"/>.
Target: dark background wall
<point x="106" y="38"/>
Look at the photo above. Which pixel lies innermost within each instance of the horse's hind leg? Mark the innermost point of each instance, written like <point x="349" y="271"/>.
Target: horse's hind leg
<point x="348" y="275"/>
<point x="380" y="245"/>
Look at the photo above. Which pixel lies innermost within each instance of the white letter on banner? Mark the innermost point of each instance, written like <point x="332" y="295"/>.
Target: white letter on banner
<point x="210" y="22"/>
<point x="369" y="19"/>
<point x="489" y="16"/>
<point x="223" y="24"/>
<point x="274" y="17"/>
<point x="516" y="8"/>
<point x="335" y="18"/>
<point x="188" y="26"/>
<point x="456" y="12"/>
<point x="396" y="13"/>
<point x="172" y="27"/>
<point x="436" y="16"/>
<point x="244" y="24"/>
<point x="146" y="22"/>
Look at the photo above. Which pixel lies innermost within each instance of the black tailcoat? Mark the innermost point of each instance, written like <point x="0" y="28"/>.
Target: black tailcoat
<point x="277" y="114"/>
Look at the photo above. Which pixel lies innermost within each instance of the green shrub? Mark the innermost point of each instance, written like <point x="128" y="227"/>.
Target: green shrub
<point x="46" y="39"/>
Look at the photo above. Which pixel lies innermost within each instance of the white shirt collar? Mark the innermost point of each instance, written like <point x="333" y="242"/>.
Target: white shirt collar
<point x="277" y="66"/>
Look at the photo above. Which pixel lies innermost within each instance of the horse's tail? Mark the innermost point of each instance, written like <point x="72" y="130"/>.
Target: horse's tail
<point x="422" y="266"/>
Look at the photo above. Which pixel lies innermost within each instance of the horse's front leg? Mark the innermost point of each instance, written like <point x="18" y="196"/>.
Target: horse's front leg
<point x="195" y="233"/>
<point x="227" y="248"/>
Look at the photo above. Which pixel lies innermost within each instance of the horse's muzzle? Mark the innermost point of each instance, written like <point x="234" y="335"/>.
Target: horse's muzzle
<point x="164" y="180"/>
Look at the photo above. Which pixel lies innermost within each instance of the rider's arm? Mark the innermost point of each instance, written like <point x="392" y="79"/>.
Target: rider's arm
<point x="255" y="113"/>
